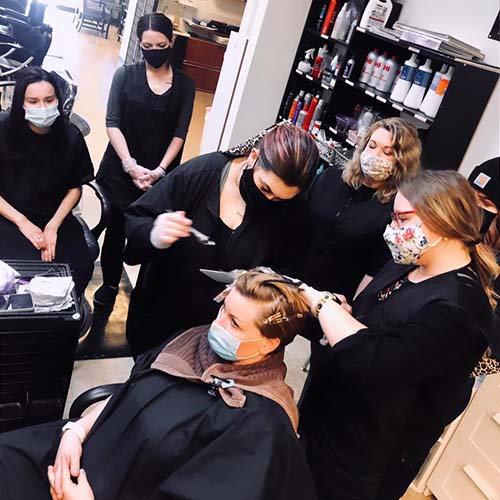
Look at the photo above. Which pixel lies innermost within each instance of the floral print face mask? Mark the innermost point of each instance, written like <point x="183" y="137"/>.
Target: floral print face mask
<point x="407" y="244"/>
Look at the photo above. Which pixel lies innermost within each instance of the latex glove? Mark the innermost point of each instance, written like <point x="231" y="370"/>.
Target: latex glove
<point x="140" y="175"/>
<point x="156" y="174"/>
<point x="33" y="233"/>
<point x="313" y="296"/>
<point x="70" y="490"/>
<point x="67" y="461"/>
<point x="50" y="234"/>
<point x="168" y="228"/>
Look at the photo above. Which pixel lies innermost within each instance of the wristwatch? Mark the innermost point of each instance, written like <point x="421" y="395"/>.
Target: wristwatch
<point x="323" y="300"/>
<point x="77" y="428"/>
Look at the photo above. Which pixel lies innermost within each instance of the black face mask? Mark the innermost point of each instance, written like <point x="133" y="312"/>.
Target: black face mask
<point x="255" y="199"/>
<point x="488" y="218"/>
<point x="157" y="57"/>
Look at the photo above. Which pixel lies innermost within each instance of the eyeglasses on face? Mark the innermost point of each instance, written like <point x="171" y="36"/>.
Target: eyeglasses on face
<point x="397" y="217"/>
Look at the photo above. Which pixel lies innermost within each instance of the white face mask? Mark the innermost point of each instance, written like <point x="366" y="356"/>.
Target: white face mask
<point x="378" y="169"/>
<point x="407" y="244"/>
<point x="41" y="117"/>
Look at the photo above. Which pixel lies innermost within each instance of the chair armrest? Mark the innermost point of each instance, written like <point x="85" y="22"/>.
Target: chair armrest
<point x="105" y="210"/>
<point x="88" y="398"/>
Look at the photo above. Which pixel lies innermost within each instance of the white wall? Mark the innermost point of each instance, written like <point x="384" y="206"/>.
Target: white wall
<point x="227" y="11"/>
<point x="470" y="21"/>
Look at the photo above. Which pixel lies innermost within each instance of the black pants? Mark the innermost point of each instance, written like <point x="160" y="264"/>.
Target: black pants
<point x="112" y="248"/>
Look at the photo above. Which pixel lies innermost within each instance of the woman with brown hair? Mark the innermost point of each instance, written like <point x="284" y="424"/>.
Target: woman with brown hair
<point x="349" y="208"/>
<point x="244" y="200"/>
<point x="389" y="377"/>
<point x="207" y="417"/>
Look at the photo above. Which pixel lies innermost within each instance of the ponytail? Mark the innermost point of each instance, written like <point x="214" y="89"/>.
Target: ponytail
<point x="487" y="268"/>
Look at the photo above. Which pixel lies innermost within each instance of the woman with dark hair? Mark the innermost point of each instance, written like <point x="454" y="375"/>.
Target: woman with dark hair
<point x="149" y="109"/>
<point x="44" y="161"/>
<point x="241" y="199"/>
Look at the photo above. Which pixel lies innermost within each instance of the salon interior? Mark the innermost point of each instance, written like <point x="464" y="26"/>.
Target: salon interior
<point x="329" y="68"/>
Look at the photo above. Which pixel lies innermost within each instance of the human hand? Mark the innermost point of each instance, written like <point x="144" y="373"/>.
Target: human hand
<point x="50" y="235"/>
<point x="67" y="461"/>
<point x="141" y="177"/>
<point x="33" y="233"/>
<point x="156" y="174"/>
<point x="312" y="296"/>
<point x="71" y="491"/>
<point x="168" y="228"/>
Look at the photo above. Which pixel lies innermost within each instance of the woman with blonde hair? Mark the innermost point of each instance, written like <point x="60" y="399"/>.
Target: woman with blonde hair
<point x="206" y="417"/>
<point x="349" y="208"/>
<point x="389" y="377"/>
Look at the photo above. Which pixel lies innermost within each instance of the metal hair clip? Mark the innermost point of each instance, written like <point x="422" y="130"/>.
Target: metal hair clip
<point x="277" y="318"/>
<point x="201" y="237"/>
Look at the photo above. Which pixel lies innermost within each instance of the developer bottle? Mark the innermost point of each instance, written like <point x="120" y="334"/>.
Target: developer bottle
<point x="405" y="79"/>
<point x="437" y="97"/>
<point x="342" y="23"/>
<point x="376" y="13"/>
<point x="368" y="67"/>
<point x="388" y="74"/>
<point x="432" y="89"/>
<point x="377" y="70"/>
<point x="421" y="82"/>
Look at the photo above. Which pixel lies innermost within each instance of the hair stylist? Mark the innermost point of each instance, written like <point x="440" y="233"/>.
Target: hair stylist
<point x="349" y="209"/>
<point x="242" y="199"/>
<point x="149" y="110"/>
<point x="394" y="373"/>
<point x="44" y="161"/>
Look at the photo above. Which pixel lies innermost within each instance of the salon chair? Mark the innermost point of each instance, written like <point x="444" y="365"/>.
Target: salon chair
<point x="90" y="397"/>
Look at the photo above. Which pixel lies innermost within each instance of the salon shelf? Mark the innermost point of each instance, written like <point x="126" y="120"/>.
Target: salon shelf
<point x="383" y="97"/>
<point x="341" y="137"/>
<point x="314" y="81"/>
<point x="326" y="38"/>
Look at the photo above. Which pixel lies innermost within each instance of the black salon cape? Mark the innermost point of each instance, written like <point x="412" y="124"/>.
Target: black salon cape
<point x="378" y="400"/>
<point x="165" y="438"/>
<point x="34" y="181"/>
<point x="346" y="234"/>
<point x="171" y="293"/>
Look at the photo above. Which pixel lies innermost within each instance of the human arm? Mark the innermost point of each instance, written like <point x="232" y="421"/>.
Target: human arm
<point x="31" y="232"/>
<point x="365" y="281"/>
<point x="50" y="231"/>
<point x="70" y="449"/>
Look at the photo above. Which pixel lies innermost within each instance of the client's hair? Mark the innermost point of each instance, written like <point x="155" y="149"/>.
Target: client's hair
<point x="284" y="306"/>
<point x="446" y="202"/>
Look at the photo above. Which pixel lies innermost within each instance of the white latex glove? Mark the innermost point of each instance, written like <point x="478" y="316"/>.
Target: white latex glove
<point x="168" y="228"/>
<point x="156" y="174"/>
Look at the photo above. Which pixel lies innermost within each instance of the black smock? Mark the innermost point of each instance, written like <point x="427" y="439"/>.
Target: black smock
<point x="346" y="234"/>
<point x="34" y="179"/>
<point x="171" y="293"/>
<point x="148" y="122"/>
<point x="378" y="400"/>
<point x="164" y="438"/>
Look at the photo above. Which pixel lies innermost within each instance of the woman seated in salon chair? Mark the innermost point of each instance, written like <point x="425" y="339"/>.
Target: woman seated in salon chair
<point x="207" y="416"/>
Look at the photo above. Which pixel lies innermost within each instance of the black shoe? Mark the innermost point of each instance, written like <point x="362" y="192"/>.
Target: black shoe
<point x="104" y="298"/>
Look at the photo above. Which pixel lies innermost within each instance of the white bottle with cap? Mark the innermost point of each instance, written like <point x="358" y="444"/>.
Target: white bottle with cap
<point x="388" y="74"/>
<point x="405" y="79"/>
<point x="435" y="99"/>
<point x="341" y="24"/>
<point x="432" y="89"/>
<point x="421" y="82"/>
<point x="369" y="66"/>
<point x="377" y="70"/>
<point x="376" y="13"/>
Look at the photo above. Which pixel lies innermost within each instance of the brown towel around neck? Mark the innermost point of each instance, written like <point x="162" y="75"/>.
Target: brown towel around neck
<point x="190" y="356"/>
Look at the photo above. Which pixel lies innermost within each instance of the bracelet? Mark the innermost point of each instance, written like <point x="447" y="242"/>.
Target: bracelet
<point x="77" y="428"/>
<point x="323" y="300"/>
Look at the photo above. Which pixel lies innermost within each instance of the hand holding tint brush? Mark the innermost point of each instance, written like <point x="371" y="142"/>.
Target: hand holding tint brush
<point x="201" y="237"/>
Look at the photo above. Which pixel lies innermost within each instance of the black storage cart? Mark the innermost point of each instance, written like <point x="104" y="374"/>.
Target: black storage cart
<point x="37" y="352"/>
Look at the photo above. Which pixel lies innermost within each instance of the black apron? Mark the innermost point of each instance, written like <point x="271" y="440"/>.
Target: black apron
<point x="148" y="123"/>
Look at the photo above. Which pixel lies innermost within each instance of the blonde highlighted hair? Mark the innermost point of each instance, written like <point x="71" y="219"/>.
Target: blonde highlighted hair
<point x="407" y="151"/>
<point x="446" y="202"/>
<point x="284" y="306"/>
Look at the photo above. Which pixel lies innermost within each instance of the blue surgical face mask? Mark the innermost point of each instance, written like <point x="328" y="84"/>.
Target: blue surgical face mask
<point x="41" y="117"/>
<point x="226" y="345"/>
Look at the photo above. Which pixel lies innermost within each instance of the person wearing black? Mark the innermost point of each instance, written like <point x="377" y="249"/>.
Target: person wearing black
<point x="44" y="162"/>
<point x="388" y="378"/>
<point x="349" y="208"/>
<point x="149" y="110"/>
<point x="206" y="417"/>
<point x="485" y="179"/>
<point x="242" y="200"/>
